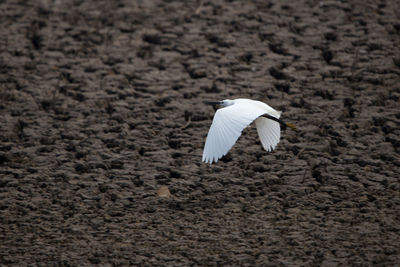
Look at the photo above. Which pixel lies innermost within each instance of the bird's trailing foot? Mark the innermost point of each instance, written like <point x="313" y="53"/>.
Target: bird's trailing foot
<point x="291" y="126"/>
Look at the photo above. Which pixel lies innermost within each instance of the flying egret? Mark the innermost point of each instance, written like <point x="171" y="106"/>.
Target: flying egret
<point x="237" y="114"/>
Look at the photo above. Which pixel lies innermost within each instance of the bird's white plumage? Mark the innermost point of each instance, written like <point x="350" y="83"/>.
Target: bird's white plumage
<point x="269" y="132"/>
<point x="229" y="122"/>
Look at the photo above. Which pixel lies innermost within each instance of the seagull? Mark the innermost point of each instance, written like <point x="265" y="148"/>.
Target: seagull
<point x="237" y="114"/>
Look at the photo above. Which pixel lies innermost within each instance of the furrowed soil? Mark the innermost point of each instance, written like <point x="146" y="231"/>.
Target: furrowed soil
<point x="102" y="104"/>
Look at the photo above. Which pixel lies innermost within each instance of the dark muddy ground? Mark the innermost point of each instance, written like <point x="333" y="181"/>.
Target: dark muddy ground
<point x="101" y="104"/>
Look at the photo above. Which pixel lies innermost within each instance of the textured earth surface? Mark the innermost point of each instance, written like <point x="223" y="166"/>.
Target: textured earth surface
<point x="101" y="105"/>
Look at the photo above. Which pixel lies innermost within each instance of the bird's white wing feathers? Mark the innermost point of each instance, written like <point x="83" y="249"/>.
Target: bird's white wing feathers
<point x="269" y="132"/>
<point x="227" y="126"/>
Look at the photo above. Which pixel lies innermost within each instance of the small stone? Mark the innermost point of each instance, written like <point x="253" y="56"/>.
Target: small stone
<point x="163" y="192"/>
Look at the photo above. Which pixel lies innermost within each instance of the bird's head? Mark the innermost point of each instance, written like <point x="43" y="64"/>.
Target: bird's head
<point x="224" y="103"/>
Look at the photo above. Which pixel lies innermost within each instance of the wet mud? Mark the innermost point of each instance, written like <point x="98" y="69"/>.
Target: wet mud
<point x="102" y="126"/>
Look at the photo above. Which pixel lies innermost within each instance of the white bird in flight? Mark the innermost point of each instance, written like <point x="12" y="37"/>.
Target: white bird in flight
<point x="237" y="114"/>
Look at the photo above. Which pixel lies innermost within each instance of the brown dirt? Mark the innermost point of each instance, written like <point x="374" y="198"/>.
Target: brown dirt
<point x="101" y="104"/>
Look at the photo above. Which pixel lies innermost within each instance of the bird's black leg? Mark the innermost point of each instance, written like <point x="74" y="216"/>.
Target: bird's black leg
<point x="281" y="122"/>
<point x="275" y="119"/>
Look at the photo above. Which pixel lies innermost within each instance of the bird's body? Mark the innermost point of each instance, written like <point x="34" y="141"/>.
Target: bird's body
<point x="229" y="122"/>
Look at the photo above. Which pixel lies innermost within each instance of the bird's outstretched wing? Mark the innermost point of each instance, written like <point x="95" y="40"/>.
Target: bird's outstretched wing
<point x="269" y="132"/>
<point x="227" y="126"/>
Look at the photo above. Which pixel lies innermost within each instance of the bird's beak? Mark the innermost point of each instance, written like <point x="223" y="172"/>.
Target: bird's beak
<point x="213" y="102"/>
